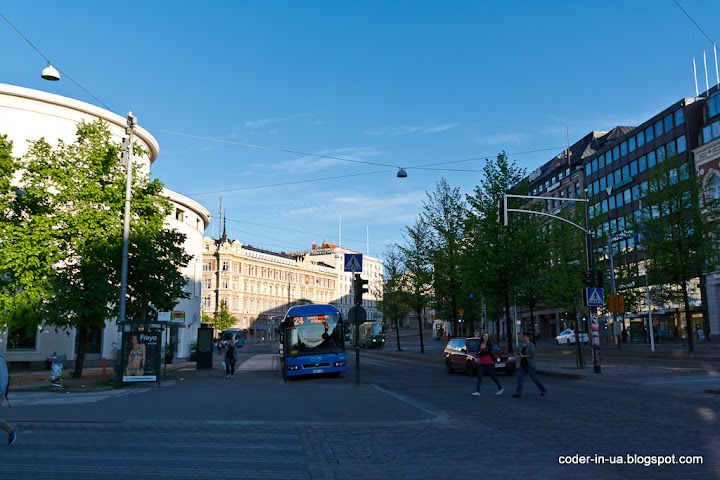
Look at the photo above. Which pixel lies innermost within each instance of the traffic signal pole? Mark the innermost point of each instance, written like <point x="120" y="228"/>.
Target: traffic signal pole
<point x="503" y="218"/>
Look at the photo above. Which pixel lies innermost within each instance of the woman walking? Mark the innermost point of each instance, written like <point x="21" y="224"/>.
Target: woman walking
<point x="527" y="365"/>
<point x="486" y="364"/>
<point x="230" y="360"/>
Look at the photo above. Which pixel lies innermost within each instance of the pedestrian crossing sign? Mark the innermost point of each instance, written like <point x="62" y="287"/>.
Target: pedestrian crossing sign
<point x="353" y="262"/>
<point x="594" y="297"/>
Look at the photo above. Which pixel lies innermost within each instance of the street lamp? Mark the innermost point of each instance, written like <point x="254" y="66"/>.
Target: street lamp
<point x="127" y="161"/>
<point x="50" y="73"/>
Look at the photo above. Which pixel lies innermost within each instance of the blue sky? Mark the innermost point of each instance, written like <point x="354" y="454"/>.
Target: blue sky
<point x="396" y="83"/>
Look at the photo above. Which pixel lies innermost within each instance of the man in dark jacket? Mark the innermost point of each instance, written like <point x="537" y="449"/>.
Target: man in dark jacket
<point x="4" y="382"/>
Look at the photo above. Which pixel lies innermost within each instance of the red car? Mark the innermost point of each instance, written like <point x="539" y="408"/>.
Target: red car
<point x="462" y="353"/>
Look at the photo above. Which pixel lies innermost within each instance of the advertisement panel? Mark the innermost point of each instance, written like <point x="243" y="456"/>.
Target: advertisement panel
<point x="141" y="355"/>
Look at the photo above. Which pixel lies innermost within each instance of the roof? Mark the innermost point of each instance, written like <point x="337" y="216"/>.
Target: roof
<point x="311" y="310"/>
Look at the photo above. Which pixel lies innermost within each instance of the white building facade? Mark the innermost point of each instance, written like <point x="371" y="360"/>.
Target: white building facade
<point x="27" y="115"/>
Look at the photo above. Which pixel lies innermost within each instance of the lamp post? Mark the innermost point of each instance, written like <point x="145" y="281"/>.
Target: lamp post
<point x="127" y="159"/>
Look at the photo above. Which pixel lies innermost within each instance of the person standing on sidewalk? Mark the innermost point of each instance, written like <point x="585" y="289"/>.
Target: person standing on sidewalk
<point x="4" y="383"/>
<point x="230" y="360"/>
<point x="527" y="365"/>
<point x="486" y="364"/>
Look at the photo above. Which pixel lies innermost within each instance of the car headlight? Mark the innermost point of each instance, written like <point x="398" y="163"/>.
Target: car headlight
<point x="340" y="364"/>
<point x="293" y="367"/>
<point x="511" y="359"/>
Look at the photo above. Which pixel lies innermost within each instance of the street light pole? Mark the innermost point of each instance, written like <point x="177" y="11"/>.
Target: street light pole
<point x="131" y="122"/>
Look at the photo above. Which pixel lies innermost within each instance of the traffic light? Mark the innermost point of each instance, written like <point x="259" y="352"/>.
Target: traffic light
<point x="601" y="278"/>
<point x="588" y="278"/>
<point x="360" y="288"/>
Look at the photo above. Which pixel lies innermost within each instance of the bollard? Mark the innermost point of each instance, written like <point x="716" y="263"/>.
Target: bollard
<point x="104" y="364"/>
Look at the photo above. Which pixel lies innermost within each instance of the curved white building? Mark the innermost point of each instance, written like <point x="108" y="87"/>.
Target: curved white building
<point x="190" y="218"/>
<point x="27" y="115"/>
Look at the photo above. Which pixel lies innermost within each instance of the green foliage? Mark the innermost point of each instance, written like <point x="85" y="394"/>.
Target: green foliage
<point x="499" y="256"/>
<point x="443" y="219"/>
<point x="394" y="303"/>
<point x="223" y="320"/>
<point x="63" y="236"/>
<point x="678" y="232"/>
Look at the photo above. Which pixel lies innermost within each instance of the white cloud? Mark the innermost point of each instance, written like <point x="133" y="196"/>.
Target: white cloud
<point x="404" y="130"/>
<point x="258" y="123"/>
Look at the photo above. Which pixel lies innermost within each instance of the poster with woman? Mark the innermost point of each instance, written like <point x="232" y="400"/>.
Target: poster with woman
<point x="140" y="355"/>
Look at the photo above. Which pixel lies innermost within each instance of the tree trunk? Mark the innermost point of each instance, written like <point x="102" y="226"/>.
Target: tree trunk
<point x="508" y="321"/>
<point x="688" y="318"/>
<point x="397" y="332"/>
<point x="82" y="346"/>
<point x="420" y="323"/>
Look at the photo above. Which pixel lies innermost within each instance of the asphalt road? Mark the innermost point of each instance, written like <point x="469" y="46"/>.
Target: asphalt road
<point x="407" y="419"/>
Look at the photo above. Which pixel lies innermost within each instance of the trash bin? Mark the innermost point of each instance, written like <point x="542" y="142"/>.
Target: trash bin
<point x="56" y="370"/>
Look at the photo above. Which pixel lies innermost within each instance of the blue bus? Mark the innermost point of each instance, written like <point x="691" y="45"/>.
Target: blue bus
<point x="311" y="341"/>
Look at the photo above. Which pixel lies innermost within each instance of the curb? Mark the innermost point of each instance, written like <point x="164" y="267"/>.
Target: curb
<point x="615" y="353"/>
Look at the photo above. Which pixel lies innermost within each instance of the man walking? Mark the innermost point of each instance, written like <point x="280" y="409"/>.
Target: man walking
<point x="527" y="365"/>
<point x="4" y="382"/>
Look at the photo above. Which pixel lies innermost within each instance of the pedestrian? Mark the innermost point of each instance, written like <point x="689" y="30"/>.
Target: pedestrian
<point x="486" y="364"/>
<point x="230" y="360"/>
<point x="527" y="365"/>
<point x="218" y="344"/>
<point x="4" y="383"/>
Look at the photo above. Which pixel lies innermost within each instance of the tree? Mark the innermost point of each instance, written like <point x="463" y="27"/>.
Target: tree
<point x="418" y="271"/>
<point x="678" y="232"/>
<point x="497" y="258"/>
<point x="394" y="304"/>
<point x="73" y="202"/>
<point x="27" y="254"/>
<point x="223" y="320"/>
<point x="569" y="261"/>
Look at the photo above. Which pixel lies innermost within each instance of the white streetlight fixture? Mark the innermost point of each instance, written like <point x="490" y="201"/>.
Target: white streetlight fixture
<point x="50" y="73"/>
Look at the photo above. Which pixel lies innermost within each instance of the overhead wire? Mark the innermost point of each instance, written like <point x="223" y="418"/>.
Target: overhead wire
<point x="693" y="21"/>
<point x="50" y="63"/>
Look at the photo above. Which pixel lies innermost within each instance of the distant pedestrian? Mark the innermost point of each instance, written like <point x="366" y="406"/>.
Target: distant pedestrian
<point x="527" y="365"/>
<point x="219" y="346"/>
<point x="230" y="360"/>
<point x="4" y="383"/>
<point x="486" y="364"/>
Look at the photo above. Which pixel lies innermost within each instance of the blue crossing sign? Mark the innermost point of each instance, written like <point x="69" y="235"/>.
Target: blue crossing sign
<point x="594" y="297"/>
<point x="353" y="262"/>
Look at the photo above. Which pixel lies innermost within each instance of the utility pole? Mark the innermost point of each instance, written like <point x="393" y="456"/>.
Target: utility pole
<point x="127" y="156"/>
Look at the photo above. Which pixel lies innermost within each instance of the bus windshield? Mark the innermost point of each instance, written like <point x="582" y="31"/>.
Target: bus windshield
<point x="377" y="329"/>
<point x="313" y="334"/>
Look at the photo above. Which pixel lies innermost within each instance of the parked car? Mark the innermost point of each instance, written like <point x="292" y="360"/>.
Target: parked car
<point x="567" y="337"/>
<point x="461" y="353"/>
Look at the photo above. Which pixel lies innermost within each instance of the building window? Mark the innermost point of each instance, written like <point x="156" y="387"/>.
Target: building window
<point x="179" y="214"/>
<point x="679" y="117"/>
<point x="22" y="337"/>
<point x="224" y="283"/>
<point x="225" y="266"/>
<point x="206" y="283"/>
<point x="206" y="301"/>
<point x="640" y="139"/>
<point x="681" y="145"/>
<point x="714" y="187"/>
<point x="668" y="122"/>
<point x="207" y="267"/>
<point x="648" y="134"/>
<point x="631" y="144"/>
<point x="658" y="128"/>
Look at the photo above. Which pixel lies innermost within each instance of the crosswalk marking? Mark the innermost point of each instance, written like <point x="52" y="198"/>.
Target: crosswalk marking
<point x="260" y="363"/>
